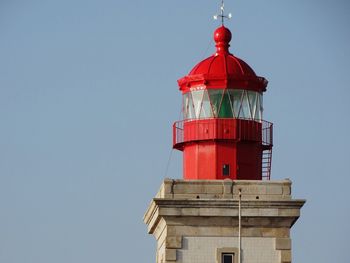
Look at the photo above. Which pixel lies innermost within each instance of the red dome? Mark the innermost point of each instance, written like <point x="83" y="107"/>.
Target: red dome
<point x="226" y="64"/>
<point x="223" y="70"/>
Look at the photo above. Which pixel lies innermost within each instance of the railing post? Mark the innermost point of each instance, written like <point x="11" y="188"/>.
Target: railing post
<point x="271" y="134"/>
<point x="174" y="134"/>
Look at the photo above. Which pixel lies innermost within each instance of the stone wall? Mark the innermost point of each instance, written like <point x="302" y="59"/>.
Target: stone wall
<point x="204" y="250"/>
<point x="193" y="220"/>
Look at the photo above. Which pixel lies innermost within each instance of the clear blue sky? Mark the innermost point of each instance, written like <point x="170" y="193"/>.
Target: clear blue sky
<point x="88" y="95"/>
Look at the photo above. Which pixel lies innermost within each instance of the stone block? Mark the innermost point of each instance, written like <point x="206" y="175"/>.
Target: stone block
<point x="173" y="242"/>
<point x="289" y="212"/>
<point x="202" y="231"/>
<point x="250" y="189"/>
<point x="160" y="228"/>
<point x="227" y="186"/>
<point x="170" y="254"/>
<point x="286" y="190"/>
<point x="275" y="232"/>
<point x="198" y="196"/>
<point x="251" y="232"/>
<point x="198" y="188"/>
<point x="274" y="190"/>
<point x="167" y="186"/>
<point x="270" y="212"/>
<point x="283" y="244"/>
<point x="174" y="211"/>
<point x="286" y="256"/>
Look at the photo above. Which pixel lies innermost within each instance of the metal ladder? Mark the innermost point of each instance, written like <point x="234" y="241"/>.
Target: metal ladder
<point x="266" y="163"/>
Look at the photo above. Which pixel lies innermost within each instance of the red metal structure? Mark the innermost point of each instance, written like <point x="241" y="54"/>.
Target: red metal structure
<point x="222" y="134"/>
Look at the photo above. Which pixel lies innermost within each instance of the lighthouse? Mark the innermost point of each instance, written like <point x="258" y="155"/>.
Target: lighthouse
<point x="223" y="134"/>
<point x="226" y="208"/>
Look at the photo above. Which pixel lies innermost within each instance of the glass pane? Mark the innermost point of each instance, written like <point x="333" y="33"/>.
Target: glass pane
<point x="259" y="108"/>
<point x="227" y="258"/>
<point x="225" y="109"/>
<point x="237" y="96"/>
<point x="223" y="103"/>
<point x="245" y="110"/>
<point x="197" y="97"/>
<point x="188" y="110"/>
<point x="226" y="170"/>
<point x="215" y="98"/>
<point x="252" y="96"/>
<point x="206" y="111"/>
<point x="185" y="105"/>
<point x="257" y="111"/>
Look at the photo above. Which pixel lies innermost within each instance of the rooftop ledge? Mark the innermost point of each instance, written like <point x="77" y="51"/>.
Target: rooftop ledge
<point x="225" y="189"/>
<point x="271" y="200"/>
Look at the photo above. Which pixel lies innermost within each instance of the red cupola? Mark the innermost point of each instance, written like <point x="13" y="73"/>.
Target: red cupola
<point x="222" y="134"/>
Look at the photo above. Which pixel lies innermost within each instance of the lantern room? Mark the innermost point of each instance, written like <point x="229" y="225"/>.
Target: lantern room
<point x="223" y="134"/>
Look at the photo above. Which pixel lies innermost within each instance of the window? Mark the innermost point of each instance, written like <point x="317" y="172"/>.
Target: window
<point x="197" y="97"/>
<point x="227" y="255"/>
<point x="236" y="98"/>
<point x="206" y="111"/>
<point x="223" y="103"/>
<point x="226" y="170"/>
<point x="188" y="109"/>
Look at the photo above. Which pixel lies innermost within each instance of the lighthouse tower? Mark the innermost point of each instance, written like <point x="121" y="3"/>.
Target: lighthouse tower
<point x="223" y="134"/>
<point x="225" y="209"/>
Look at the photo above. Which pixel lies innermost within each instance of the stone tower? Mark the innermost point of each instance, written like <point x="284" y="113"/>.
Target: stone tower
<point x="197" y="221"/>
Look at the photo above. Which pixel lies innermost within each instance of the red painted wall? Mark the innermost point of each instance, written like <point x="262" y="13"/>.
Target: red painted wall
<point x="210" y="144"/>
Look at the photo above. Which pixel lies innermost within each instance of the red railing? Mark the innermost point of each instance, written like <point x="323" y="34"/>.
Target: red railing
<point x="178" y="133"/>
<point x="234" y="129"/>
<point x="267" y="134"/>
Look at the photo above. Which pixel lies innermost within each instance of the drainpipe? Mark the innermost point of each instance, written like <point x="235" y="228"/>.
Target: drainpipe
<point x="239" y="226"/>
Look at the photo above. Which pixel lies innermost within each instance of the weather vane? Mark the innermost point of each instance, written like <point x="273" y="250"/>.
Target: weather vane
<point x="222" y="13"/>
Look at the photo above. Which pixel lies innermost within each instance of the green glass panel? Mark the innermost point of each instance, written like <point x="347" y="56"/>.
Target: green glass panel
<point x="225" y="108"/>
<point x="206" y="111"/>
<point x="215" y="99"/>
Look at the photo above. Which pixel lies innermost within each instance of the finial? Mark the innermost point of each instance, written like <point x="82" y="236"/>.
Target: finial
<point x="222" y="13"/>
<point x="222" y="38"/>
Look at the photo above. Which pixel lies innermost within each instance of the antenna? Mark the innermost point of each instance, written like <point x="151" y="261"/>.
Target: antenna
<point x="222" y="13"/>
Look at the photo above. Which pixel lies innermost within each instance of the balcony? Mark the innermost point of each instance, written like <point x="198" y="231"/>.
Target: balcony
<point x="222" y="129"/>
